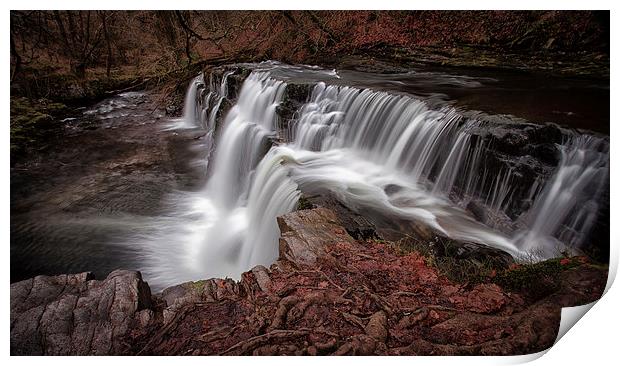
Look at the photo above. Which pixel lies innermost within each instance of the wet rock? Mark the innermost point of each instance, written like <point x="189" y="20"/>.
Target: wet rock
<point x="356" y="225"/>
<point x="294" y="97"/>
<point x="509" y="141"/>
<point x="305" y="234"/>
<point x="235" y="81"/>
<point x="516" y="153"/>
<point x="548" y="133"/>
<point x="474" y="252"/>
<point x="76" y="315"/>
<point x="478" y="211"/>
<point x="262" y="278"/>
<point x="546" y="152"/>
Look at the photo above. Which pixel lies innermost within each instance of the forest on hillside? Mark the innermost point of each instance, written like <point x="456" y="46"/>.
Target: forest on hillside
<point x="154" y="42"/>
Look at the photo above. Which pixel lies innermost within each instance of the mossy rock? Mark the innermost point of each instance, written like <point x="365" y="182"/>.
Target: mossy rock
<point x="537" y="280"/>
<point x="304" y="203"/>
<point x="31" y="120"/>
<point x="294" y="97"/>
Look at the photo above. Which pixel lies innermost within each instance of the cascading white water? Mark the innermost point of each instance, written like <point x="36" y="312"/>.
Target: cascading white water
<point x="191" y="106"/>
<point x="568" y="205"/>
<point x="366" y="142"/>
<point x="230" y="225"/>
<point x="244" y="139"/>
<point x="389" y="153"/>
<point x="221" y="95"/>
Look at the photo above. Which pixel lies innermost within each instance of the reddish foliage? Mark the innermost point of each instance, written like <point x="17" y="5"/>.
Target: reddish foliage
<point x="364" y="298"/>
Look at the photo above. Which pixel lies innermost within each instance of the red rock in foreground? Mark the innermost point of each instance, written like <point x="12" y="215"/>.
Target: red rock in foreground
<point x="327" y="294"/>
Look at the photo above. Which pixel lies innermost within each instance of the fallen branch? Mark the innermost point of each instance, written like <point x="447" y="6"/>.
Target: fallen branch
<point x="131" y="87"/>
<point x="251" y="343"/>
<point x="353" y="319"/>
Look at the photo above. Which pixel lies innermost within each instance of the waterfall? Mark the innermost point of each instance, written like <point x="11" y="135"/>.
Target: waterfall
<point x="360" y="144"/>
<point x="376" y="151"/>
<point x="222" y="93"/>
<point x="191" y="106"/>
<point x="230" y="225"/>
<point x="244" y="139"/>
<point x="197" y="110"/>
<point x="567" y="208"/>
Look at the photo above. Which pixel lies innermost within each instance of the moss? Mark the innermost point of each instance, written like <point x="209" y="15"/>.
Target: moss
<point x="443" y="254"/>
<point x="304" y="203"/>
<point x="537" y="280"/>
<point x="245" y="72"/>
<point x="534" y="280"/>
<point x="198" y="285"/>
<point x="524" y="276"/>
<point x="464" y="270"/>
<point x="31" y="120"/>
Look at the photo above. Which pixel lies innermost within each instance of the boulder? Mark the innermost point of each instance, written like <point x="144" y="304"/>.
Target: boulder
<point x="305" y="235"/>
<point x="75" y="314"/>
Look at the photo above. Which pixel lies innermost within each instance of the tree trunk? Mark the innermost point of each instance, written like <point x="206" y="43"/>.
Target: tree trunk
<point x="18" y="60"/>
<point x="108" y="63"/>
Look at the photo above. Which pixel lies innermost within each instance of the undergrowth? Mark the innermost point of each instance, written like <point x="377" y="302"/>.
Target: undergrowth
<point x="529" y="276"/>
<point x="31" y="120"/>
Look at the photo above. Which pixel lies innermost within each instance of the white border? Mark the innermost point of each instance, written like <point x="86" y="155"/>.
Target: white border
<point x="592" y="341"/>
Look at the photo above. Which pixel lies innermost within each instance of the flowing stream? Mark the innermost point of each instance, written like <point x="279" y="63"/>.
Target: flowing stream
<point x="376" y="149"/>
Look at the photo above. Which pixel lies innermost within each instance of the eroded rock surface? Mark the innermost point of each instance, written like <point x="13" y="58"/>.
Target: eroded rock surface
<point x="77" y="315"/>
<point x="306" y="234"/>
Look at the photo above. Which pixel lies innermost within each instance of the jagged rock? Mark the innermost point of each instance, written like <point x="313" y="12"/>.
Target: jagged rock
<point x="262" y="278"/>
<point x="74" y="314"/>
<point x="294" y="97"/>
<point x="145" y="317"/>
<point x="478" y="211"/>
<point x="176" y="298"/>
<point x="305" y="234"/>
<point x="474" y="253"/>
<point x="358" y="226"/>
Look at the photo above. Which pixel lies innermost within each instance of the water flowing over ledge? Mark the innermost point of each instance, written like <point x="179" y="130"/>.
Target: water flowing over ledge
<point x="377" y="151"/>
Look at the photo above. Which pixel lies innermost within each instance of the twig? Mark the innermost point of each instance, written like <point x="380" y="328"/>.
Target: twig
<point x="255" y="341"/>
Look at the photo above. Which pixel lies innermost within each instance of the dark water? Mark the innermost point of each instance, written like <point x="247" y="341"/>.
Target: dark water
<point x="571" y="102"/>
<point x="74" y="202"/>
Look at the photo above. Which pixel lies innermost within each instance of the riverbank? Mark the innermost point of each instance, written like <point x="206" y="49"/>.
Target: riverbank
<point x="90" y="181"/>
<point x="328" y="294"/>
<point x="34" y="93"/>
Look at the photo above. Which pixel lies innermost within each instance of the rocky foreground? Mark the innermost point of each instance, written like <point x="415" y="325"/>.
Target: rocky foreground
<point x="328" y="294"/>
